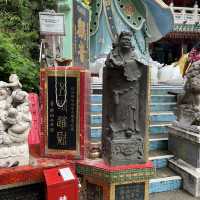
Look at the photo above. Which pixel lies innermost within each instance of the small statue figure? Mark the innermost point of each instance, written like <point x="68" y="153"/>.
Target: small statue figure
<point x="15" y="122"/>
<point x="125" y="97"/>
<point x="188" y="110"/>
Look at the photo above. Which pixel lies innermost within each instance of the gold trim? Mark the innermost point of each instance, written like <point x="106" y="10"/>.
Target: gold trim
<point x="61" y="73"/>
<point x="148" y="108"/>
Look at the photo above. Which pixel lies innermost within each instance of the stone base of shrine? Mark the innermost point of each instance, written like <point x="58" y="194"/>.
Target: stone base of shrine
<point x="184" y="145"/>
<point x="190" y="175"/>
<point x="103" y="182"/>
<point x="27" y="182"/>
<point x="14" y="155"/>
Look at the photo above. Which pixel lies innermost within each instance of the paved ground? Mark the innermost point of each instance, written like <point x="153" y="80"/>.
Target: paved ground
<point x="177" y="195"/>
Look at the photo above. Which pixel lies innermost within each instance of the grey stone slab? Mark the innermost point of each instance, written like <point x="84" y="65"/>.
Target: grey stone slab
<point x="175" y="195"/>
<point x="189" y="135"/>
<point x="189" y="174"/>
<point x="184" y="145"/>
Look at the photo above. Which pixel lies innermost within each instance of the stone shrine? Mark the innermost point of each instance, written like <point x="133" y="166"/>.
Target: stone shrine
<point x="15" y="123"/>
<point x="184" y="134"/>
<point x="125" y="99"/>
<point x="125" y="171"/>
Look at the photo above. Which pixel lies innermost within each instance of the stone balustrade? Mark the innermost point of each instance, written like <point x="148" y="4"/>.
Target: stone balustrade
<point x="186" y="15"/>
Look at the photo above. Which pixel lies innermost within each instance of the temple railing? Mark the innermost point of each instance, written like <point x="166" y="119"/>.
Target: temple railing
<point x="186" y="15"/>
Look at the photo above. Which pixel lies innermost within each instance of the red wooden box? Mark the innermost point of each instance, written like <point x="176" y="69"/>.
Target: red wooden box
<point x="49" y="81"/>
<point x="58" y="188"/>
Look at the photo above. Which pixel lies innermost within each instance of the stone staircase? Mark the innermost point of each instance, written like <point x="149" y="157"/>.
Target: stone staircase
<point x="161" y="115"/>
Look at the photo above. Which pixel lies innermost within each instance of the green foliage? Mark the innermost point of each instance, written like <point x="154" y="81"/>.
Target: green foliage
<point x="19" y="39"/>
<point x="12" y="60"/>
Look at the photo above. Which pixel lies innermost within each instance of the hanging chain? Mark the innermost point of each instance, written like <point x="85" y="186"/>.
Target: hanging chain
<point x="56" y="89"/>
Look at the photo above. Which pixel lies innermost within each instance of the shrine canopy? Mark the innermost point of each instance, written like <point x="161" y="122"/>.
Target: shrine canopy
<point x="159" y="19"/>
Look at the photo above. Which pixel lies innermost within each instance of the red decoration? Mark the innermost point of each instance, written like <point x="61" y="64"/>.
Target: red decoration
<point x="34" y="134"/>
<point x="59" y="188"/>
<point x="100" y="164"/>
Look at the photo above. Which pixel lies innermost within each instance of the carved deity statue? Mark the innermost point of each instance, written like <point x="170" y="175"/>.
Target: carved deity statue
<point x="125" y="117"/>
<point x="125" y="94"/>
<point x="15" y="123"/>
<point x="188" y="109"/>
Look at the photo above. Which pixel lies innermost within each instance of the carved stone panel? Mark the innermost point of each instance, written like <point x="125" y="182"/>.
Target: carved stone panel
<point x="123" y="152"/>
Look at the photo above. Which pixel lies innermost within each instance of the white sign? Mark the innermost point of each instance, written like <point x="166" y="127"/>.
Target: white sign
<point x="52" y="23"/>
<point x="66" y="174"/>
<point x="63" y="198"/>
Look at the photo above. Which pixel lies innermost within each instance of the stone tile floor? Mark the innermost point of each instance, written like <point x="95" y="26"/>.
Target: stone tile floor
<point x="176" y="195"/>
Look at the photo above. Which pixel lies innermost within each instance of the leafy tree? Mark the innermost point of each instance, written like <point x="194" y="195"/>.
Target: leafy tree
<point x="12" y="60"/>
<point x="19" y="39"/>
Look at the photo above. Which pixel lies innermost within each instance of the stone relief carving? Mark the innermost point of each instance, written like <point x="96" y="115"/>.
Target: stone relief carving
<point x="188" y="109"/>
<point x="132" y="150"/>
<point x="15" y="123"/>
<point x="121" y="104"/>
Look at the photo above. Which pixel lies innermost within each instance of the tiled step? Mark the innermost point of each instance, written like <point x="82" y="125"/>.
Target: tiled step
<point x="96" y="118"/>
<point x="165" y="180"/>
<point x="163" y="98"/>
<point x="95" y="133"/>
<point x="173" y="195"/>
<point x="159" y="107"/>
<point x="163" y="90"/>
<point x="96" y="108"/>
<point x="159" y="127"/>
<point x="158" y="141"/>
<point x="97" y="98"/>
<point x="154" y="98"/>
<point x="160" y="158"/>
<point x="155" y="107"/>
<point x="167" y="116"/>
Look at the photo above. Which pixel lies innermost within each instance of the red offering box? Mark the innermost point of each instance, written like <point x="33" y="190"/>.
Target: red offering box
<point x="70" y="141"/>
<point x="60" y="188"/>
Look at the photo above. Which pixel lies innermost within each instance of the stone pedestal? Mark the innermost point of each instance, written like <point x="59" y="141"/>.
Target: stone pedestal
<point x="14" y="155"/>
<point x="185" y="145"/>
<point x="104" y="182"/>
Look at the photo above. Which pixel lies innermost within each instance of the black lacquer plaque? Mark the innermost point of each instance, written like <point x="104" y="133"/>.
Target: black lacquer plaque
<point x="130" y="192"/>
<point x="62" y="119"/>
<point x="30" y="192"/>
